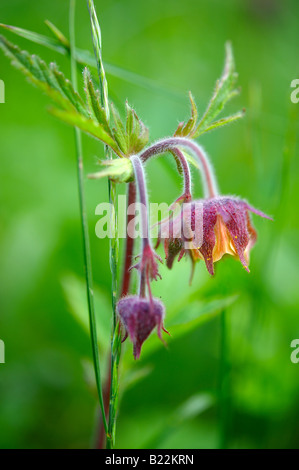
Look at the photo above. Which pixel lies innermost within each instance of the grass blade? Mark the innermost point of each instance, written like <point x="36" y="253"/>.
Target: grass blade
<point x="85" y="233"/>
<point x="113" y="248"/>
<point x="86" y="58"/>
<point x="37" y="38"/>
<point x="58" y="34"/>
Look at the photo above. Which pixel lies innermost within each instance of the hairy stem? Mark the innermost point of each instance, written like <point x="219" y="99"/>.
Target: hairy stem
<point x="142" y="192"/>
<point x="129" y="244"/>
<point x="147" y="256"/>
<point x="84" y="223"/>
<point x="171" y="144"/>
<point x="177" y="153"/>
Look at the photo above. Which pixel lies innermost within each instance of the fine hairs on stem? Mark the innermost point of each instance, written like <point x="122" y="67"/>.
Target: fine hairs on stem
<point x="171" y="143"/>
<point x="143" y="199"/>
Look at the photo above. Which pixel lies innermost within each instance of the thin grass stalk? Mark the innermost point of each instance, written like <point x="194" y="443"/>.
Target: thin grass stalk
<point x="84" y="224"/>
<point x="114" y="244"/>
<point x="223" y="384"/>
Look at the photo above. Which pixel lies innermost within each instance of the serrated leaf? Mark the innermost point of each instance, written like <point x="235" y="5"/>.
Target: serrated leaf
<point x="224" y="91"/>
<point x="187" y="129"/>
<point x="137" y="134"/>
<point x="221" y="122"/>
<point x="93" y="100"/>
<point x="67" y="89"/>
<point x="48" y="79"/>
<point x="59" y="89"/>
<point x="119" y="131"/>
<point x="86" y="58"/>
<point x="88" y="125"/>
<point x="129" y="121"/>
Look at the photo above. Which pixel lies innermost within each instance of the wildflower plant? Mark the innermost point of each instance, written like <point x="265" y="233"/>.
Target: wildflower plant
<point x="203" y="229"/>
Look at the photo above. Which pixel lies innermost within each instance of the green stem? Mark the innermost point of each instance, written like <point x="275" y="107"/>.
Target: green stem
<point x="84" y="223"/>
<point x="113" y="248"/>
<point x="224" y="385"/>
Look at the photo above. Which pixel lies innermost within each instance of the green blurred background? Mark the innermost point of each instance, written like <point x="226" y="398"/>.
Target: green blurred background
<point x="226" y="378"/>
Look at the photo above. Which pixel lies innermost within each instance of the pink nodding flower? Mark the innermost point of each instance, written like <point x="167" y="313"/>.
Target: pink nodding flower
<point x="225" y="228"/>
<point x="139" y="316"/>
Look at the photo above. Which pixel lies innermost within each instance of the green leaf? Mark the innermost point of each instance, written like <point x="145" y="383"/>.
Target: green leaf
<point x="131" y="137"/>
<point x="221" y="122"/>
<point x="119" y="170"/>
<point x="137" y="133"/>
<point x="87" y="125"/>
<point x="181" y="320"/>
<point x="48" y="79"/>
<point x="86" y="58"/>
<point x="188" y="410"/>
<point x="119" y="131"/>
<point x="224" y="91"/>
<point x="93" y="100"/>
<point x="198" y="309"/>
<point x="50" y="43"/>
<point x="75" y="294"/>
<point x="183" y="129"/>
<point x="67" y="89"/>
<point x="59" y="89"/>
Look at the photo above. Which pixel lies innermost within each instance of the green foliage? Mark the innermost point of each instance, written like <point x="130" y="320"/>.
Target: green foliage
<point x="40" y="236"/>
<point x="90" y="117"/>
<point x="224" y="91"/>
<point x="188" y="410"/>
<point x="37" y="38"/>
<point x="94" y="101"/>
<point x="83" y="57"/>
<point x="132" y="137"/>
<point x="119" y="170"/>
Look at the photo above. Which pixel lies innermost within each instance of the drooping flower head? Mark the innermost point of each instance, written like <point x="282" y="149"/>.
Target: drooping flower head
<point x="139" y="316"/>
<point x="225" y="227"/>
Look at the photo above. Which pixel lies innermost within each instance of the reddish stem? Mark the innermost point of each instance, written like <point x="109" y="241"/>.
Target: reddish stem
<point x="124" y="291"/>
<point x="129" y="244"/>
<point x="187" y="196"/>
<point x="106" y="395"/>
<point x="171" y="144"/>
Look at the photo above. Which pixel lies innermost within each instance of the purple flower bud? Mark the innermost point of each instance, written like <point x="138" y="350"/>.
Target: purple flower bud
<point x="139" y="316"/>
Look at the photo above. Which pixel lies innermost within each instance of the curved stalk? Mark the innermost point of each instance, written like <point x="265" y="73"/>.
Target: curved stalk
<point x="177" y="153"/>
<point x="171" y="143"/>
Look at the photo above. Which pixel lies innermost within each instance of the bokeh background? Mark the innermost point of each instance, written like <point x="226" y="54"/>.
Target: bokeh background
<point x="226" y="378"/>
